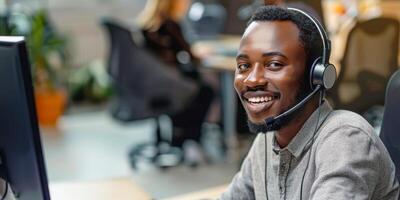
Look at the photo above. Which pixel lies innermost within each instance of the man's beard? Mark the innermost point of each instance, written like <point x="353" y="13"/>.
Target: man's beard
<point x="263" y="128"/>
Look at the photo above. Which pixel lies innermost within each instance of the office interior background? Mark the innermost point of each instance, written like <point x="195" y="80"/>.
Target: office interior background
<point x="92" y="132"/>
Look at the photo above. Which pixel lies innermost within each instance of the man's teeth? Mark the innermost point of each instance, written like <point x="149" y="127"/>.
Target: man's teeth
<point x="260" y="99"/>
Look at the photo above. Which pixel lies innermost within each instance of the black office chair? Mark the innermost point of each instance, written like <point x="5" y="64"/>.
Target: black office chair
<point x="370" y="58"/>
<point x="390" y="134"/>
<point x="145" y="88"/>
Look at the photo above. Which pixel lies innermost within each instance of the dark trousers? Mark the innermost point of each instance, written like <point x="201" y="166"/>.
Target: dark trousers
<point x="187" y="123"/>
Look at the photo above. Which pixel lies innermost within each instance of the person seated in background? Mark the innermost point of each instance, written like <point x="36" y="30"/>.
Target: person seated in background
<point x="304" y="149"/>
<point x="163" y="36"/>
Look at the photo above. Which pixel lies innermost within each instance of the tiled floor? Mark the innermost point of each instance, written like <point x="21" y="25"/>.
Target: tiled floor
<point x="92" y="146"/>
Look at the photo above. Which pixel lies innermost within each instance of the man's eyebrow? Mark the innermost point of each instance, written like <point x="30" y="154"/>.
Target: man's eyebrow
<point x="242" y="56"/>
<point x="274" y="53"/>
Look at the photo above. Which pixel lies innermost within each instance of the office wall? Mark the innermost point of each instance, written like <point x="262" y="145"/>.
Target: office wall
<point x="79" y="19"/>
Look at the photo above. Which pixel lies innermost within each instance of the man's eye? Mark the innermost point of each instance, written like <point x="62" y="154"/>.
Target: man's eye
<point x="274" y="65"/>
<point x="242" y="66"/>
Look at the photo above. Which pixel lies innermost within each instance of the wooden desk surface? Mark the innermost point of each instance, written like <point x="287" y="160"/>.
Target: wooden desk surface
<point x="218" y="53"/>
<point x="218" y="62"/>
<point x="121" y="189"/>
<point x="212" y="193"/>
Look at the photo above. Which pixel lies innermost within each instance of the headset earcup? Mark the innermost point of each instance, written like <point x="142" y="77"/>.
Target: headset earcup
<point x="329" y="76"/>
<point x="324" y="75"/>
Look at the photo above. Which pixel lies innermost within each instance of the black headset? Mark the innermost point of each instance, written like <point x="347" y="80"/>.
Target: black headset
<point x="322" y="75"/>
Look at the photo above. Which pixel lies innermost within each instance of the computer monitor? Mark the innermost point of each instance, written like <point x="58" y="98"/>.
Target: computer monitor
<point x="22" y="163"/>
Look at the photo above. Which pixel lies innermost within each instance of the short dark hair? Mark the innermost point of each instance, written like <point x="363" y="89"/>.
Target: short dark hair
<point x="309" y="35"/>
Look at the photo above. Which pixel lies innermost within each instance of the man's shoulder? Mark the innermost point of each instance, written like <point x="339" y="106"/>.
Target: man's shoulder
<point x="344" y="120"/>
<point x="348" y="127"/>
<point x="346" y="117"/>
<point x="346" y="137"/>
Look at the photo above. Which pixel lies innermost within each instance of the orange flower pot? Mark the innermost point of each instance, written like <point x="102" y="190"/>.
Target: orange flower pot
<point x="50" y="106"/>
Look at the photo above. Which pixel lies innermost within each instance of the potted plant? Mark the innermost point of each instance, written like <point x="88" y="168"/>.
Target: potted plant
<point x="48" y="55"/>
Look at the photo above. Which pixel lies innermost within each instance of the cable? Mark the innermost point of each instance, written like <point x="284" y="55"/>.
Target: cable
<point x="312" y="143"/>
<point x="265" y="165"/>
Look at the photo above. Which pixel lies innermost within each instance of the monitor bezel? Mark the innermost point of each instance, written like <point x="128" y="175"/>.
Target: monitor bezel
<point x="19" y="43"/>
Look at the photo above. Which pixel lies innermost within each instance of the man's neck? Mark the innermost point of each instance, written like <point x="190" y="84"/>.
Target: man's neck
<point x="288" y="132"/>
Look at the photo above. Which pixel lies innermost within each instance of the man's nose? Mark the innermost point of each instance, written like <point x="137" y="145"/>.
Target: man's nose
<point x="256" y="76"/>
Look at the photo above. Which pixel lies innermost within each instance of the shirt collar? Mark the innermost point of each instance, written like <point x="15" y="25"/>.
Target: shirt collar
<point x="299" y="142"/>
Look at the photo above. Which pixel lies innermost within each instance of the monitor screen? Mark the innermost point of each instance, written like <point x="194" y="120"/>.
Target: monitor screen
<point x="22" y="163"/>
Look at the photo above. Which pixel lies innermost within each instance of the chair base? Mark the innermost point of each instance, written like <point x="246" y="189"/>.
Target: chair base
<point x="162" y="155"/>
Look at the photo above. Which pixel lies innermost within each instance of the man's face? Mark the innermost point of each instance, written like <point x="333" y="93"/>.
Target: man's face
<point x="270" y="69"/>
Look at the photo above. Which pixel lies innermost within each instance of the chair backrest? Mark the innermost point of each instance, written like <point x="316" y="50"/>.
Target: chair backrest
<point x="390" y="130"/>
<point x="122" y="47"/>
<point x="372" y="45"/>
<point x="370" y="58"/>
<point x="141" y="78"/>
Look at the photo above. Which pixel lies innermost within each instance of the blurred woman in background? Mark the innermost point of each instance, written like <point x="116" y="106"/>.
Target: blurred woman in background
<point x="163" y="36"/>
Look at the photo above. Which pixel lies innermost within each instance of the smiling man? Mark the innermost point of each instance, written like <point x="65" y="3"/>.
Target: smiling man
<point x="315" y="152"/>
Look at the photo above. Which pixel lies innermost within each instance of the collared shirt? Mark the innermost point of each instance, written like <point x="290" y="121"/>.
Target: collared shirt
<point x="346" y="160"/>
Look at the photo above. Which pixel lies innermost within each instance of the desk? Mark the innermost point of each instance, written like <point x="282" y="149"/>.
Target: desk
<point x="212" y="193"/>
<point x="121" y="189"/>
<point x="220" y="55"/>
